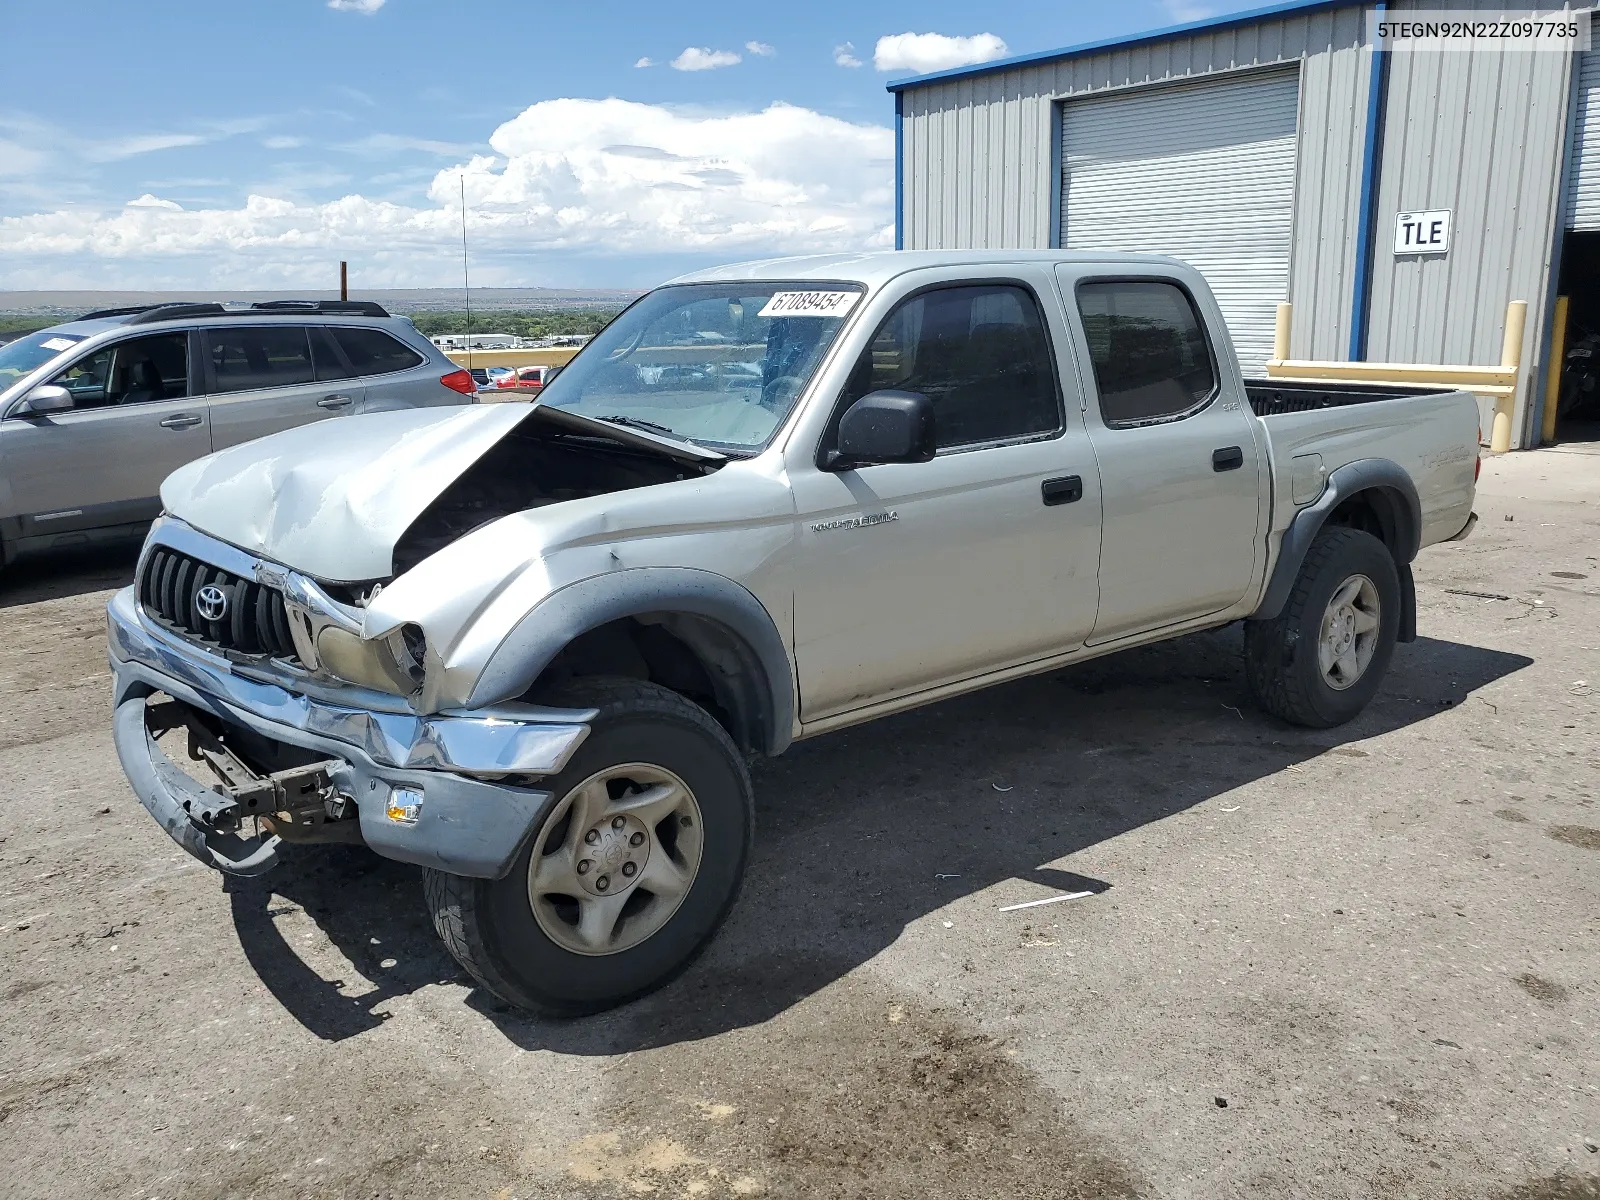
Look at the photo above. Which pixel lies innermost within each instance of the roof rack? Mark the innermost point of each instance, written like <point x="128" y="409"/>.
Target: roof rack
<point x="179" y="311"/>
<point x="183" y="310"/>
<point x="354" y="308"/>
<point x="117" y="312"/>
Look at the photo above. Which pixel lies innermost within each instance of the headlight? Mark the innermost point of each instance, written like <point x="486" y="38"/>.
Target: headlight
<point x="391" y="664"/>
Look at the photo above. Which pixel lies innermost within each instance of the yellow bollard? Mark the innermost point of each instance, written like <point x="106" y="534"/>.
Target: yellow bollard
<point x="1280" y="334"/>
<point x="1510" y="356"/>
<point x="1552" y="386"/>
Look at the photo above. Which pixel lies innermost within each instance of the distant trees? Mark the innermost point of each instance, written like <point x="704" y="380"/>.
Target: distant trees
<point x="522" y="324"/>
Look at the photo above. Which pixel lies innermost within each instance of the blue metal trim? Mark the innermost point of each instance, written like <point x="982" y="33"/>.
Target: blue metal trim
<point x="1055" y="174"/>
<point x="1367" y="224"/>
<point x="1207" y="25"/>
<point x="899" y="172"/>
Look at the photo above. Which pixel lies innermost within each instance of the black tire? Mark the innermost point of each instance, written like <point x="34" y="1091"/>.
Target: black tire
<point x="1281" y="654"/>
<point x="489" y="925"/>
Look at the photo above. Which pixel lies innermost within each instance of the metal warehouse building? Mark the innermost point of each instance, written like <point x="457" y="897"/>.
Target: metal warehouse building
<point x="1275" y="151"/>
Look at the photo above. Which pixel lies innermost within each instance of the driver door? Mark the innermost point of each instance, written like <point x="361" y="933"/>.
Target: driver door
<point x="137" y="417"/>
<point x="914" y="575"/>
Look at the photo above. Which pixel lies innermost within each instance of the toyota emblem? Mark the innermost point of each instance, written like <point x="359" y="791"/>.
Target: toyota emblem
<point x="212" y="602"/>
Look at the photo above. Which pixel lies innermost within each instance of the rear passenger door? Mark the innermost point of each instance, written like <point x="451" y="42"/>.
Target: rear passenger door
<point x="264" y="378"/>
<point x="1181" y="470"/>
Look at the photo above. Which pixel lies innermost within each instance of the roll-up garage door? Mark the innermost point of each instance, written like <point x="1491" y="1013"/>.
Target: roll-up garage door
<point x="1203" y="172"/>
<point x="1583" y="161"/>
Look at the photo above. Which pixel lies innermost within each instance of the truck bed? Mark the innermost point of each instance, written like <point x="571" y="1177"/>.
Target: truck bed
<point x="1270" y="397"/>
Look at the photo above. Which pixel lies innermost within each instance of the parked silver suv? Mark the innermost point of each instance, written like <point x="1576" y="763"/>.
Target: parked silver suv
<point x="95" y="413"/>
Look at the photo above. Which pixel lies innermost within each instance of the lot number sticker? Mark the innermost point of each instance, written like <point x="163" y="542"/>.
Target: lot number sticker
<point x="809" y="304"/>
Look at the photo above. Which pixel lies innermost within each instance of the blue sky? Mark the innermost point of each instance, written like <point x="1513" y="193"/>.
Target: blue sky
<point x="254" y="143"/>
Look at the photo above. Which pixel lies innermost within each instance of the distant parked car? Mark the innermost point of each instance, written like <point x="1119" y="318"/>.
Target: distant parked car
<point x="527" y="379"/>
<point x="488" y="377"/>
<point x="95" y="413"/>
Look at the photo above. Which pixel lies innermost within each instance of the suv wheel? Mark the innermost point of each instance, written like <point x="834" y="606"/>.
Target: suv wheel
<point x="632" y="866"/>
<point x="1321" y="660"/>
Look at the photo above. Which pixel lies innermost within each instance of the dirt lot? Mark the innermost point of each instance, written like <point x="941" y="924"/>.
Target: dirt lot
<point x="1363" y="962"/>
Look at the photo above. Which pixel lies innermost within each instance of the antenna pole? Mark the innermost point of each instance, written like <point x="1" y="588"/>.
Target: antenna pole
<point x="466" y="288"/>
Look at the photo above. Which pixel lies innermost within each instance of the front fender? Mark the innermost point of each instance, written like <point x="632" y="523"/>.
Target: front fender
<point x="590" y="603"/>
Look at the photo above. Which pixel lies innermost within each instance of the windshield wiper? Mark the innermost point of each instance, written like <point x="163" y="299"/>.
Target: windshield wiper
<point x="639" y="423"/>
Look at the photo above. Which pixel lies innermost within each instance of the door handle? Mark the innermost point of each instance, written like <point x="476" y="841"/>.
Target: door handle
<point x="1229" y="458"/>
<point x="181" y="421"/>
<point x="1061" y="491"/>
<point x="335" y="401"/>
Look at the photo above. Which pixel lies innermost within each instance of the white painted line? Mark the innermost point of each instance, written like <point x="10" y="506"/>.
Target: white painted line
<point x="1046" y="900"/>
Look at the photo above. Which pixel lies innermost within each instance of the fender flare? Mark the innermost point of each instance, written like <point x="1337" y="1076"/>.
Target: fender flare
<point x="680" y="591"/>
<point x="1404" y="512"/>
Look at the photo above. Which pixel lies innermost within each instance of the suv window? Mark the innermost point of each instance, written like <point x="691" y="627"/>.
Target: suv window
<point x="266" y="356"/>
<point x="139" y="371"/>
<point x="1151" y="359"/>
<point x="979" y="353"/>
<point x="329" y="359"/>
<point x="373" y="352"/>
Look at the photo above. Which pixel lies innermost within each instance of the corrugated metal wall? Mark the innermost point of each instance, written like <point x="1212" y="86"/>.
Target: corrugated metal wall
<point x="1482" y="134"/>
<point x="978" y="156"/>
<point x="1583" y="154"/>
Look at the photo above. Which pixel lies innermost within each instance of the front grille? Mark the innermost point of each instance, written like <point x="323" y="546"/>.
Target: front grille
<point x="255" y="620"/>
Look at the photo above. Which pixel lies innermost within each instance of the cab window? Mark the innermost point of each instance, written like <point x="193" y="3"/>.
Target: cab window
<point x="1151" y="359"/>
<point x="140" y="371"/>
<point x="981" y="356"/>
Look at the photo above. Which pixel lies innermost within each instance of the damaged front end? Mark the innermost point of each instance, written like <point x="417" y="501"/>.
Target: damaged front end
<point x="255" y="628"/>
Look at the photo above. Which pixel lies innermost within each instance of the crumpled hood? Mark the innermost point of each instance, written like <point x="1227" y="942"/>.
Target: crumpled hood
<point x="332" y="498"/>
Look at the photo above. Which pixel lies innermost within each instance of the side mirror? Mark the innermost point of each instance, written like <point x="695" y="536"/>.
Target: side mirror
<point x="885" y="427"/>
<point x="46" y="398"/>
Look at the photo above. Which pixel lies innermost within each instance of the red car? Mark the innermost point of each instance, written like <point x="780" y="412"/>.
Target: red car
<point x="526" y="379"/>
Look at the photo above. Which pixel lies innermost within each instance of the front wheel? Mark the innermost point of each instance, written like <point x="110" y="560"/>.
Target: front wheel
<point x="1321" y="660"/>
<point x="632" y="866"/>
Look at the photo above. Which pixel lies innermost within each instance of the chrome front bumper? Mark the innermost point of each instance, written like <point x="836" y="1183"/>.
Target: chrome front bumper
<point x="469" y="826"/>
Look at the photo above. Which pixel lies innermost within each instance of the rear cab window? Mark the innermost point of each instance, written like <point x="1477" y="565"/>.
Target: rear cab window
<point x="1151" y="356"/>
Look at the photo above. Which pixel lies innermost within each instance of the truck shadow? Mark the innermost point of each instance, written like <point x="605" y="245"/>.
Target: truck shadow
<point x="861" y="832"/>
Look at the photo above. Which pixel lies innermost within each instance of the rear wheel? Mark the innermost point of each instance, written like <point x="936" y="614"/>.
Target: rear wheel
<point x="1323" y="658"/>
<point x="632" y="866"/>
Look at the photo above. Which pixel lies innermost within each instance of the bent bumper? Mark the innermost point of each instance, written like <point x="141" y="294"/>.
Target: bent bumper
<point x="466" y="826"/>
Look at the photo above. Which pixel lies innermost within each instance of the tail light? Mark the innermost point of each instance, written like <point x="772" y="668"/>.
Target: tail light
<point x="1477" y="467"/>
<point x="460" y="381"/>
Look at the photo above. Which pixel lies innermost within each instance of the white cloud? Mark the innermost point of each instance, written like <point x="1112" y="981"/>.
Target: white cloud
<point x="1184" y="11"/>
<point x="845" y="55"/>
<point x="760" y="49"/>
<point x="568" y="177"/>
<point x="19" y="160"/>
<point x="116" y="149"/>
<point x="645" y="62"/>
<point x="700" y="58"/>
<point x="923" y="52"/>
<point x="365" y="7"/>
<point x="282" y="143"/>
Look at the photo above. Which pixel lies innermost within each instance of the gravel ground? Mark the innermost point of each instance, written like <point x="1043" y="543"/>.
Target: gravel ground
<point x="1359" y="962"/>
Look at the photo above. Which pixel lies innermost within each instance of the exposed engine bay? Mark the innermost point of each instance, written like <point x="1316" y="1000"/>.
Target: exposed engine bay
<point x="533" y="466"/>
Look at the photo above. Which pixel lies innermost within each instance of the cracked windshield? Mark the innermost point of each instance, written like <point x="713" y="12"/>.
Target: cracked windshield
<point x="714" y="363"/>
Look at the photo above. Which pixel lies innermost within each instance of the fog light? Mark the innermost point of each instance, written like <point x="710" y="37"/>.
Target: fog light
<point x="405" y="806"/>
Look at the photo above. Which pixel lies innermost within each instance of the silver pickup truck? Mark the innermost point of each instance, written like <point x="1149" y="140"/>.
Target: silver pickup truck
<point x="531" y="646"/>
